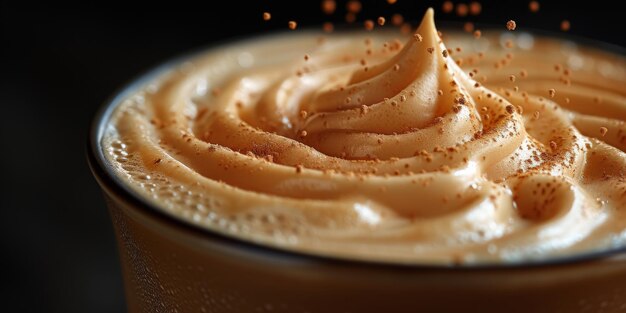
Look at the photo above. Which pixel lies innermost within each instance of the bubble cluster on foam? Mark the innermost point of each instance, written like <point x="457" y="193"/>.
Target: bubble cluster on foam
<point x="197" y="206"/>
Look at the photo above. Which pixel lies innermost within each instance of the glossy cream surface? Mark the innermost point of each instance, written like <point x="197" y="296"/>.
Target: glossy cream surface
<point x="387" y="147"/>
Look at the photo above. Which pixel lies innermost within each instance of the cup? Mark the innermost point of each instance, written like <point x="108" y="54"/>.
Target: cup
<point x="171" y="266"/>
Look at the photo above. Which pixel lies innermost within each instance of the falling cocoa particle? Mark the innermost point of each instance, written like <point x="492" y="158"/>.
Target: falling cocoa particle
<point x="397" y="19"/>
<point x="329" y="6"/>
<point x="328" y="27"/>
<point x="475" y="8"/>
<point x="511" y="25"/>
<point x="462" y="9"/>
<point x="533" y="6"/>
<point x="354" y="6"/>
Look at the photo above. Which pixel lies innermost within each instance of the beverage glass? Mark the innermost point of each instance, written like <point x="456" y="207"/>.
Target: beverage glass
<point x="171" y="266"/>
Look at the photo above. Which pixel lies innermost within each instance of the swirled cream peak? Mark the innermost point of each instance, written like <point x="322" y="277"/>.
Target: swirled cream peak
<point x="360" y="145"/>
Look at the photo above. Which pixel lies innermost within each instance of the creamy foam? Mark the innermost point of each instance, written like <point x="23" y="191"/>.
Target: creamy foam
<point x="357" y="145"/>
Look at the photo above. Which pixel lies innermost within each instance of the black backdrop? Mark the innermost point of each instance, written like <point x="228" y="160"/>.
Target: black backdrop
<point x="59" y="63"/>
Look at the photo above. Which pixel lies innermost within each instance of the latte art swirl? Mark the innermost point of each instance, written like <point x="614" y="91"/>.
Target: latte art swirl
<point x="373" y="148"/>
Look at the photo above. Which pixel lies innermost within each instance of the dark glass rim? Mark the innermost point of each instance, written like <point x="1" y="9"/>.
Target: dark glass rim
<point x="108" y="180"/>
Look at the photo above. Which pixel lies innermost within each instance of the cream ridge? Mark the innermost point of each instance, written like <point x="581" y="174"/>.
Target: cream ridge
<point x="385" y="147"/>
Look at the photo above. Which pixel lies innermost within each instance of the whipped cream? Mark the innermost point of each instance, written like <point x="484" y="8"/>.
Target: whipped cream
<point x="362" y="146"/>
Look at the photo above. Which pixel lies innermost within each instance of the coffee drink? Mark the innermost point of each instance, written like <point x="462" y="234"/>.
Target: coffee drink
<point x="448" y="150"/>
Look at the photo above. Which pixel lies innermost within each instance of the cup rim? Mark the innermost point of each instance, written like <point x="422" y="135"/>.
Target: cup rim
<point x="108" y="181"/>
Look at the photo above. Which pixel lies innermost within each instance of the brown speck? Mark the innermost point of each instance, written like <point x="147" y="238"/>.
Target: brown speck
<point x="430" y="49"/>
<point x="303" y="133"/>
<point x="511" y="25"/>
<point x="353" y="6"/>
<point x="468" y="27"/>
<point x="157" y="161"/>
<point x="299" y="168"/>
<point x="440" y="92"/>
<point x="477" y="34"/>
<point x="418" y="37"/>
<point x="565" y="25"/>
<point x="369" y="25"/>
<point x="397" y="19"/>
<point x="267" y="16"/>
<point x="306" y="57"/>
<point x="328" y="27"/>
<point x="381" y="21"/>
<point x="292" y="25"/>
<point x="553" y="145"/>
<point x="447" y="7"/>
<point x="475" y="8"/>
<point x="552" y="92"/>
<point x="523" y="73"/>
<point x="461" y="9"/>
<point x="536" y="115"/>
<point x="512" y="78"/>
<point x="603" y="131"/>
<point x="303" y="114"/>
<point x="396" y="67"/>
<point x="392" y="1"/>
<point x="329" y="6"/>
<point x="445" y="53"/>
<point x="510" y="109"/>
<point x="533" y="6"/>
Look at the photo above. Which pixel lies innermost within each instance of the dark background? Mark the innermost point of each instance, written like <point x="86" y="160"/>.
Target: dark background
<point x="60" y="62"/>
